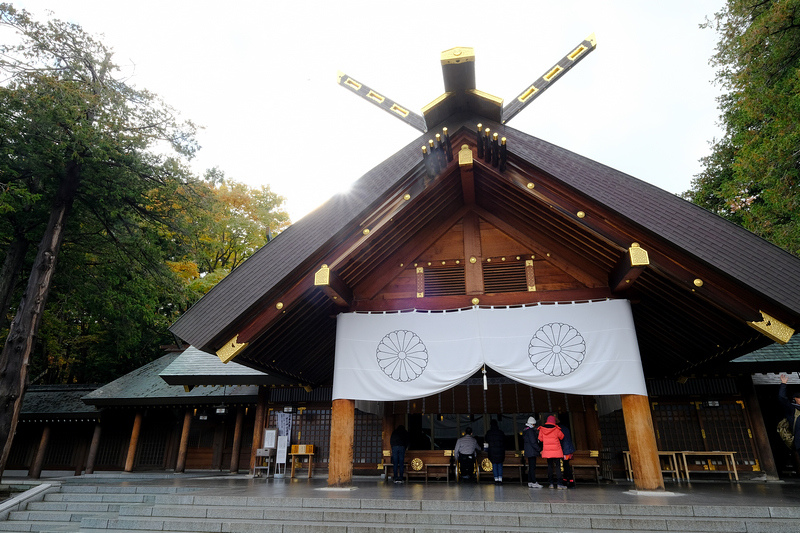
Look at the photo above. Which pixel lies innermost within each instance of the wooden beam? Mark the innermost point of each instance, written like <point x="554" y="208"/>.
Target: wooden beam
<point x="406" y="254"/>
<point x="333" y="286"/>
<point x="258" y="426"/>
<point x="463" y="301"/>
<point x="279" y="305"/>
<point x="473" y="258"/>
<point x="35" y="471"/>
<point x="567" y="261"/>
<point x="628" y="268"/>
<point x="467" y="176"/>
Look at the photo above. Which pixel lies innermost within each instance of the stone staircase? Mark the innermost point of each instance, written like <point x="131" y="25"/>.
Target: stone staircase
<point x="88" y="508"/>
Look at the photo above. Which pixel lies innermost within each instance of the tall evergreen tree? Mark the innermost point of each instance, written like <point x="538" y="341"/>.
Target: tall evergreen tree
<point x="751" y="176"/>
<point x="72" y="133"/>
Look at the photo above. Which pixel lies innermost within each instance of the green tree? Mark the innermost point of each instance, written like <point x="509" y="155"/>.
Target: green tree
<point x="73" y="132"/>
<point x="751" y="176"/>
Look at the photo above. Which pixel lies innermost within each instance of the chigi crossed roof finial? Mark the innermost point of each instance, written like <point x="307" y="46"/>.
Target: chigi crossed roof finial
<point x="458" y="70"/>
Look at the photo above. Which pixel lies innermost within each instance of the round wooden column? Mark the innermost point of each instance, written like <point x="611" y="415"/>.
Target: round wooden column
<point x="93" y="447"/>
<point x="183" y="447"/>
<point x="237" y="439"/>
<point x="340" y="462"/>
<point x="258" y="426"/>
<point x="642" y="442"/>
<point x="135" y="432"/>
<point x="36" y="468"/>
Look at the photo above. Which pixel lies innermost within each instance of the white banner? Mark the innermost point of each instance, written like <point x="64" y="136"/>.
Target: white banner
<point x="587" y="348"/>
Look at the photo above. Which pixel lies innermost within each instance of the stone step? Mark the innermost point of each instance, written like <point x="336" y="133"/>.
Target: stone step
<point x="65" y="505"/>
<point x="100" y="497"/>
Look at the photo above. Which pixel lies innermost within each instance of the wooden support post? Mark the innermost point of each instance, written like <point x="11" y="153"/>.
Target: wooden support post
<point x="93" y="447"/>
<point x="135" y="432"/>
<point x="258" y="426"/>
<point x="388" y="427"/>
<point x="237" y="439"/>
<point x="36" y="468"/>
<point x="642" y="442"/>
<point x="760" y="436"/>
<point x="594" y="439"/>
<point x="579" y="430"/>
<point x="183" y="447"/>
<point x="340" y="462"/>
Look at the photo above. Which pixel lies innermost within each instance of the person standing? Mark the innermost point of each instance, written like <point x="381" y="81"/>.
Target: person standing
<point x="496" y="441"/>
<point x="399" y="443"/>
<point x="791" y="411"/>
<point x="532" y="448"/>
<point x="551" y="435"/>
<point x="465" y="453"/>
<point x="568" y="448"/>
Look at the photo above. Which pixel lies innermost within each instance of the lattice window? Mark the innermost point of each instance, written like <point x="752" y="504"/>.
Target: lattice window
<point x="313" y="426"/>
<point x="61" y="446"/>
<point x="201" y="435"/>
<point x="504" y="277"/>
<point x="615" y="441"/>
<point x="23" y="447"/>
<point x="368" y="438"/>
<point x="444" y="281"/>
<point x="112" y="449"/>
<point x="677" y="426"/>
<point x="152" y="444"/>
<point x="726" y="428"/>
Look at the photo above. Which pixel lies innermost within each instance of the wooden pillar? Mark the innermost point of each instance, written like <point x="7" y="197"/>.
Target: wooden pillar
<point x="93" y="447"/>
<point x="80" y="455"/>
<point x="760" y="436"/>
<point x="258" y="426"/>
<point x="594" y="438"/>
<point x="135" y="432"/>
<point x="36" y="468"/>
<point x="642" y="442"/>
<point x="388" y="427"/>
<point x="237" y="439"/>
<point x="340" y="462"/>
<point x="183" y="447"/>
<point x="579" y="430"/>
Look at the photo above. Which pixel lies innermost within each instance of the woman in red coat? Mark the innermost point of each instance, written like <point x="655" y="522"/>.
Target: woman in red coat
<point x="551" y="435"/>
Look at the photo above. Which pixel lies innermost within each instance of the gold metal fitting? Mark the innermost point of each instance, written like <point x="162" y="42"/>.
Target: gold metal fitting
<point x="279" y="306"/>
<point x="406" y="196"/>
<point x="773" y="328"/>
<point x="581" y="214"/>
<point x="531" y="185"/>
<point x="365" y="231"/>
<point x="475" y="301"/>
<point x="698" y="282"/>
<point x="473" y="260"/>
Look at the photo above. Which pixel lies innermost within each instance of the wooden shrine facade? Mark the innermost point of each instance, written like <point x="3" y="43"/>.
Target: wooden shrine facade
<point x="475" y="213"/>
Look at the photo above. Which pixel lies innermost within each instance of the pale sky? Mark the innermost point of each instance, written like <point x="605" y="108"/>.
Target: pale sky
<point x="261" y="78"/>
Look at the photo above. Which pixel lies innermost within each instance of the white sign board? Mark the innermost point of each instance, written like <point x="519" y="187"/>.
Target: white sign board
<point x="283" y="442"/>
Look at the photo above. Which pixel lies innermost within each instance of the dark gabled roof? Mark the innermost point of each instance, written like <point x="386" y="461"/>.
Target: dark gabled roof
<point x="58" y="402"/>
<point x="195" y="367"/>
<point x="681" y="325"/>
<point x="270" y="266"/>
<point x="143" y="386"/>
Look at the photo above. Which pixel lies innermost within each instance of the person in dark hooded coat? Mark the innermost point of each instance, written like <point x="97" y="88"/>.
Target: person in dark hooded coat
<point x="496" y="441"/>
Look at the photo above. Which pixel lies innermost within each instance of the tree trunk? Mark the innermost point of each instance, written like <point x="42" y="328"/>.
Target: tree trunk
<point x="9" y="274"/>
<point x="15" y="358"/>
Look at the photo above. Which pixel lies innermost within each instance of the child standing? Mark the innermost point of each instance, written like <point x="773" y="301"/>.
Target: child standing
<point x="551" y="435"/>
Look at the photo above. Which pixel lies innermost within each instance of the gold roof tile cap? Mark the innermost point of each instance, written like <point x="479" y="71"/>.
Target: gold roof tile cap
<point x="459" y="54"/>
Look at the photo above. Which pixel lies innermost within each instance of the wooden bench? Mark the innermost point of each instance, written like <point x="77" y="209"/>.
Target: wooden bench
<point x="513" y="467"/>
<point x="585" y="465"/>
<point x="424" y="464"/>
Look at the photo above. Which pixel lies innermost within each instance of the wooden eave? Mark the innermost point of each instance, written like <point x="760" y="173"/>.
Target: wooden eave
<point x="579" y="215"/>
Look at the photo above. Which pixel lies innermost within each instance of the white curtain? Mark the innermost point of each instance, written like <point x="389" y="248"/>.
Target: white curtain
<point x="586" y="348"/>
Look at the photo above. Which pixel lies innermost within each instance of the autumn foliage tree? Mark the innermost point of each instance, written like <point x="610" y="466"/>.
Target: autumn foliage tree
<point x="752" y="175"/>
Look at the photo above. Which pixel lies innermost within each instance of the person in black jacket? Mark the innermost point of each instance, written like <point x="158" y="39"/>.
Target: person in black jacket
<point x="496" y="441"/>
<point x="791" y="410"/>
<point x="533" y="449"/>
<point x="568" y="448"/>
<point x="399" y="443"/>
